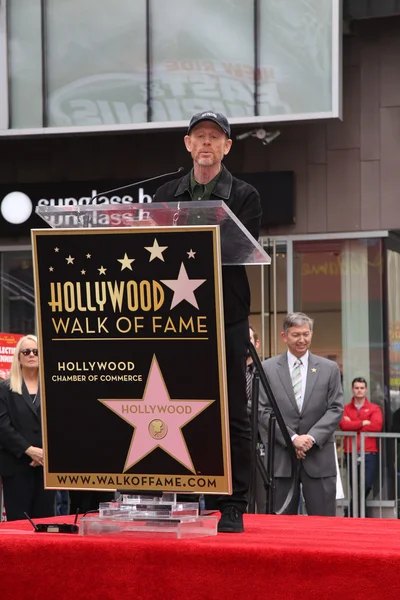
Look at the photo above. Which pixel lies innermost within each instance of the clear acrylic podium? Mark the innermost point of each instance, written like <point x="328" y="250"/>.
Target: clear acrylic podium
<point x="162" y="516"/>
<point x="238" y="247"/>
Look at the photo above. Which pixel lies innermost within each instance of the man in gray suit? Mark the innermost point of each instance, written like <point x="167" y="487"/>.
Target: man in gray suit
<point x="308" y="391"/>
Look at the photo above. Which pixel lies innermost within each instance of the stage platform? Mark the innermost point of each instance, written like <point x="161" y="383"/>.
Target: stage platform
<point x="278" y="557"/>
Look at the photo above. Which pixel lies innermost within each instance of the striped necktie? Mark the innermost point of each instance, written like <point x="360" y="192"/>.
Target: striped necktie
<point x="296" y="382"/>
<point x="249" y="383"/>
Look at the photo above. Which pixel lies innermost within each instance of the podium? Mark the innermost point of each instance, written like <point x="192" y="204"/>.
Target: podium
<point x="132" y="370"/>
<point x="238" y="247"/>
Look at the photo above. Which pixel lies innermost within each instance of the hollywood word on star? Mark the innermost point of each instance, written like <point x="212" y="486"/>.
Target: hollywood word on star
<point x="92" y="293"/>
<point x="157" y="420"/>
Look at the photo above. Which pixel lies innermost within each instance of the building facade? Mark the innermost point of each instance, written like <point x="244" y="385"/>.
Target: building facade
<point x="335" y="252"/>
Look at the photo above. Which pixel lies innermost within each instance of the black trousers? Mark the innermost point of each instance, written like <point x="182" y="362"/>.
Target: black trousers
<point x="260" y="491"/>
<point x="25" y="493"/>
<point x="371" y="459"/>
<point x="236" y="344"/>
<point x="86" y="500"/>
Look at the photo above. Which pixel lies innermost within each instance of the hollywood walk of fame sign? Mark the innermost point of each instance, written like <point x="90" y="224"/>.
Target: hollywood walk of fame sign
<point x="133" y="381"/>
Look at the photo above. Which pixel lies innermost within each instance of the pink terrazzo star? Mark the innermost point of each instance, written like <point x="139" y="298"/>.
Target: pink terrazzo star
<point x="156" y="415"/>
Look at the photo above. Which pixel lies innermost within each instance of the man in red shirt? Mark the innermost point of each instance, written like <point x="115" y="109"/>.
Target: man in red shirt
<point x="361" y="415"/>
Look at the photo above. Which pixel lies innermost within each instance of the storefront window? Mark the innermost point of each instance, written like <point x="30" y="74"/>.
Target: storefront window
<point x="295" y="56"/>
<point x="109" y="63"/>
<point x="210" y="68"/>
<point x="269" y="299"/>
<point x="96" y="62"/>
<point x="393" y="282"/>
<point x="17" y="292"/>
<point x="3" y="69"/>
<point x="339" y="284"/>
<point x="25" y="63"/>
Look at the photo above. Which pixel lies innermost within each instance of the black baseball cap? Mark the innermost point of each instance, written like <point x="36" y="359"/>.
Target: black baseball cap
<point x="217" y="118"/>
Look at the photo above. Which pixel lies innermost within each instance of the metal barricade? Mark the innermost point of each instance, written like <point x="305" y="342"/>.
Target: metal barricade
<point x="347" y="506"/>
<point x="385" y="500"/>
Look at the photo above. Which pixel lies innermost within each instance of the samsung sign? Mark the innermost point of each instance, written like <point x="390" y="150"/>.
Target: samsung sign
<point x="18" y="203"/>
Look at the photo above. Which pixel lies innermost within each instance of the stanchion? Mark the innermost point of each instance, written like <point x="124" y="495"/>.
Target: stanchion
<point x="266" y="472"/>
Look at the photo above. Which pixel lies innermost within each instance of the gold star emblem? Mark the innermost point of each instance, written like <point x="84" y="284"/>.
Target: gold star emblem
<point x="88" y="256"/>
<point x="83" y="272"/>
<point x="156" y="251"/>
<point x="51" y="269"/>
<point x="56" y="249"/>
<point x="126" y="263"/>
<point x="70" y="260"/>
<point x="313" y="370"/>
<point x="191" y="254"/>
<point x="102" y="270"/>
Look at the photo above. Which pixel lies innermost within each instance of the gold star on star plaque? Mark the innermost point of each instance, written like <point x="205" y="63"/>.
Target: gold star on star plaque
<point x="156" y="251"/>
<point x="56" y="249"/>
<point x="83" y="272"/>
<point x="126" y="263"/>
<point x="102" y="270"/>
<point x="88" y="256"/>
<point x="191" y="254"/>
<point x="51" y="269"/>
<point x="70" y="260"/>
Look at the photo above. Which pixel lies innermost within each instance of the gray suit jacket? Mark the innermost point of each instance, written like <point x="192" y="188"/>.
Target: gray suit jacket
<point x="319" y="417"/>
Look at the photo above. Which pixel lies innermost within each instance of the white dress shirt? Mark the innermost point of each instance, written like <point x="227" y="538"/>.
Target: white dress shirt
<point x="303" y="370"/>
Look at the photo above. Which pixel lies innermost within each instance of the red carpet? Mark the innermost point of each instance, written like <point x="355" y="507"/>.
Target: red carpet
<point x="278" y="558"/>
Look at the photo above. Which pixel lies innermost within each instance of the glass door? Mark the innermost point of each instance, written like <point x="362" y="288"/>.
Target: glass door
<point x="17" y="292"/>
<point x="393" y="316"/>
<point x="339" y="283"/>
<point x="269" y="298"/>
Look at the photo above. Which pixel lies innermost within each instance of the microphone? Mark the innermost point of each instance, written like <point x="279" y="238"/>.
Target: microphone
<point x="124" y="187"/>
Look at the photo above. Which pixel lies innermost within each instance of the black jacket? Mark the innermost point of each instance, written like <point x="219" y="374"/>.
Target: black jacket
<point x="244" y="202"/>
<point x="20" y="427"/>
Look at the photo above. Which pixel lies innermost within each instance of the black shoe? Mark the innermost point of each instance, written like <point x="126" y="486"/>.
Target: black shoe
<point x="231" y="520"/>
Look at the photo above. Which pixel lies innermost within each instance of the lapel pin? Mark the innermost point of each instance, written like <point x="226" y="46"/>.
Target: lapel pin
<point x="314" y="370"/>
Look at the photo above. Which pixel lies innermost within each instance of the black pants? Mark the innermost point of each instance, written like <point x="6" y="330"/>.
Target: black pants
<point x="86" y="500"/>
<point x="236" y="344"/>
<point x="25" y="493"/>
<point x="370" y="467"/>
<point x="260" y="491"/>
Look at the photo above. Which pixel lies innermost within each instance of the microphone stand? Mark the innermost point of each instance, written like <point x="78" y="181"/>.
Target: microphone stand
<point x="266" y="472"/>
<point x="85" y="212"/>
<point x="128" y="185"/>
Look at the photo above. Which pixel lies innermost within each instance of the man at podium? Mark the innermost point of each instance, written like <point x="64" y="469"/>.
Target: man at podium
<point x="208" y="141"/>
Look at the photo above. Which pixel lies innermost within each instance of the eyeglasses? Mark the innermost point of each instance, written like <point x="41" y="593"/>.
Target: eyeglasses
<point x="28" y="351"/>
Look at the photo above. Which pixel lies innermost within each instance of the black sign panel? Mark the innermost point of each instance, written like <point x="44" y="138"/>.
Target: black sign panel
<point x="18" y="204"/>
<point x="133" y="378"/>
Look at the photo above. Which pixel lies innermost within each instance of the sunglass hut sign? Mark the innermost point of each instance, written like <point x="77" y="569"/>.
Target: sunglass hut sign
<point x="17" y="207"/>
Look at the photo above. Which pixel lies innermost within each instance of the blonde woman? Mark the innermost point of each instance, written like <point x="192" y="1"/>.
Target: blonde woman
<point x="21" y="454"/>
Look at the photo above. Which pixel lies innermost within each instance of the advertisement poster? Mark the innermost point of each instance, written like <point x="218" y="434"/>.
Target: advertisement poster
<point x="8" y="342"/>
<point x="132" y="359"/>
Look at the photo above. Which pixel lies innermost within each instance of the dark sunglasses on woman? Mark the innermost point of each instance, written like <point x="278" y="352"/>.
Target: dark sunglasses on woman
<point x="28" y="351"/>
